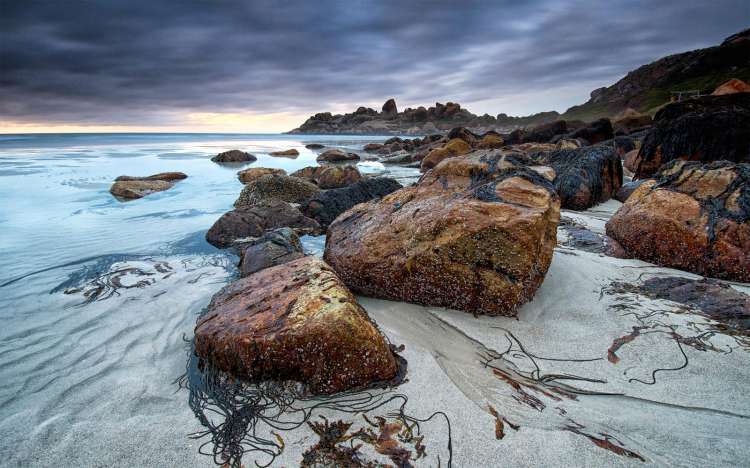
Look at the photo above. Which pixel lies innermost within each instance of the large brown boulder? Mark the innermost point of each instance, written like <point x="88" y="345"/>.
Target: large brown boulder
<point x="325" y="206"/>
<point x="252" y="221"/>
<point x="131" y="188"/>
<point x="295" y="321"/>
<point x="585" y="176"/>
<point x="276" y="187"/>
<point x="249" y="175"/>
<point x="454" y="147"/>
<point x="483" y="249"/>
<point x="705" y="129"/>
<point x="693" y="217"/>
<point x="328" y="177"/>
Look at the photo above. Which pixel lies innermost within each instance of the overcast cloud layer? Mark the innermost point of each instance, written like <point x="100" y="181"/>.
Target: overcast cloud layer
<point x="152" y="62"/>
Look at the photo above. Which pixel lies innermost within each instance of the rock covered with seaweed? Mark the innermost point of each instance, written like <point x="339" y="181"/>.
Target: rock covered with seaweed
<point x="693" y="216"/>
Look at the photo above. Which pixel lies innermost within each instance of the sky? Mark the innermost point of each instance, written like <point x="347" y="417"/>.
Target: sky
<point x="265" y="66"/>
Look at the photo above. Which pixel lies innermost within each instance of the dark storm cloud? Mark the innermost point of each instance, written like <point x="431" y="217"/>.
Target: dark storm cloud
<point x="140" y="61"/>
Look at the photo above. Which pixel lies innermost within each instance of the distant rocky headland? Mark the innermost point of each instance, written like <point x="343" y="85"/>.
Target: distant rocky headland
<point x="642" y="91"/>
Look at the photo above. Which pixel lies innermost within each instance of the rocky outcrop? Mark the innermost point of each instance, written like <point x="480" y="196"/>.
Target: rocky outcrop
<point x="329" y="204"/>
<point x="731" y="87"/>
<point x="276" y="187"/>
<point x="249" y="175"/>
<point x="329" y="177"/>
<point x="389" y="107"/>
<point x="253" y="221"/>
<point x="290" y="153"/>
<point x="131" y="188"/>
<point x="234" y="156"/>
<point x="483" y="249"/>
<point x="693" y="217"/>
<point x="705" y="129"/>
<point x="272" y="248"/>
<point x="651" y="86"/>
<point x="585" y="176"/>
<point x="454" y="147"/>
<point x="336" y="155"/>
<point x="295" y="321"/>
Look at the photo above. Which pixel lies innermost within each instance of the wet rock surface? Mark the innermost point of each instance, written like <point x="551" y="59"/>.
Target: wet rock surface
<point x="329" y="177"/>
<point x="290" y="153"/>
<point x="249" y="175"/>
<point x="326" y="205"/>
<point x="254" y="221"/>
<point x="336" y="155"/>
<point x="276" y="187"/>
<point x="272" y="248"/>
<point x="693" y="217"/>
<point x="295" y="321"/>
<point x="454" y="147"/>
<point x="131" y="188"/>
<point x="233" y="156"/>
<point x="483" y="250"/>
<point x="705" y="129"/>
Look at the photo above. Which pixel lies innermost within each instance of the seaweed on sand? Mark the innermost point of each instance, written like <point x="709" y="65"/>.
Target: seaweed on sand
<point x="244" y="418"/>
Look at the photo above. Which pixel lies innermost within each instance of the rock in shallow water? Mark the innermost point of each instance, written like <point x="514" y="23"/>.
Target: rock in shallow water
<point x="328" y="177"/>
<point x="253" y="221"/>
<point x="290" y="153"/>
<point x="336" y="155"/>
<point x="693" y="217"/>
<point x="276" y="187"/>
<point x="249" y="175"/>
<point x="131" y="188"/>
<point x="233" y="156"/>
<point x="295" y="321"/>
<point x="483" y="249"/>
<point x="272" y="248"/>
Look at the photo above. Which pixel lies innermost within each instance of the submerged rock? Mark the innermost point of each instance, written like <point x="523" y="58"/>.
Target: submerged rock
<point x="705" y="129"/>
<point x="336" y="155"/>
<point x="290" y="153"/>
<point x="131" y="188"/>
<point x="693" y="217"/>
<point x="328" y="204"/>
<point x="233" y="156"/>
<point x="272" y="248"/>
<point x="253" y="221"/>
<point x="328" y="177"/>
<point x="585" y="176"/>
<point x="276" y="187"/>
<point x="483" y="249"/>
<point x="295" y="321"/>
<point x="249" y="175"/>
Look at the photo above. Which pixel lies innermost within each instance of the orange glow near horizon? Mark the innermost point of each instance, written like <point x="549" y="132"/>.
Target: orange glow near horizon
<point x="192" y="122"/>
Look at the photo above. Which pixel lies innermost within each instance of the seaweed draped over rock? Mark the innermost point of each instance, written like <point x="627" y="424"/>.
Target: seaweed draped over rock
<point x="694" y="217"/>
<point x="484" y="248"/>
<point x="585" y="176"/>
<point x="706" y="129"/>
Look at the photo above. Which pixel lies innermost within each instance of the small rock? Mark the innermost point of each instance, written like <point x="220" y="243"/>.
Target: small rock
<point x="314" y="146"/>
<point x="272" y="248"/>
<point x="233" y="156"/>
<point x="290" y="153"/>
<point x="249" y="175"/>
<point x="276" y="187"/>
<point x="336" y="155"/>
<point x="329" y="177"/>
<point x="131" y="188"/>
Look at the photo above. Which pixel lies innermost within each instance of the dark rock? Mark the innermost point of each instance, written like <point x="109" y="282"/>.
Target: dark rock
<point x="595" y="132"/>
<point x="329" y="204"/>
<point x="271" y="249"/>
<point x="372" y="147"/>
<point x="585" y="176"/>
<point x="295" y="321"/>
<point x="545" y="132"/>
<point x="276" y="187"/>
<point x="165" y="176"/>
<point x="627" y="189"/>
<point x="253" y="221"/>
<point x="336" y="155"/>
<point x="693" y="217"/>
<point x="706" y="129"/>
<point x="389" y="107"/>
<point x="233" y="156"/>
<point x="314" y="146"/>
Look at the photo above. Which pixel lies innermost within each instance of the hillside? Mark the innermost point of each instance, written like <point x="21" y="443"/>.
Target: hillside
<point x="650" y="86"/>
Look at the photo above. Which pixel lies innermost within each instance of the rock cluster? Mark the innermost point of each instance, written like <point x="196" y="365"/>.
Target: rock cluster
<point x="131" y="188"/>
